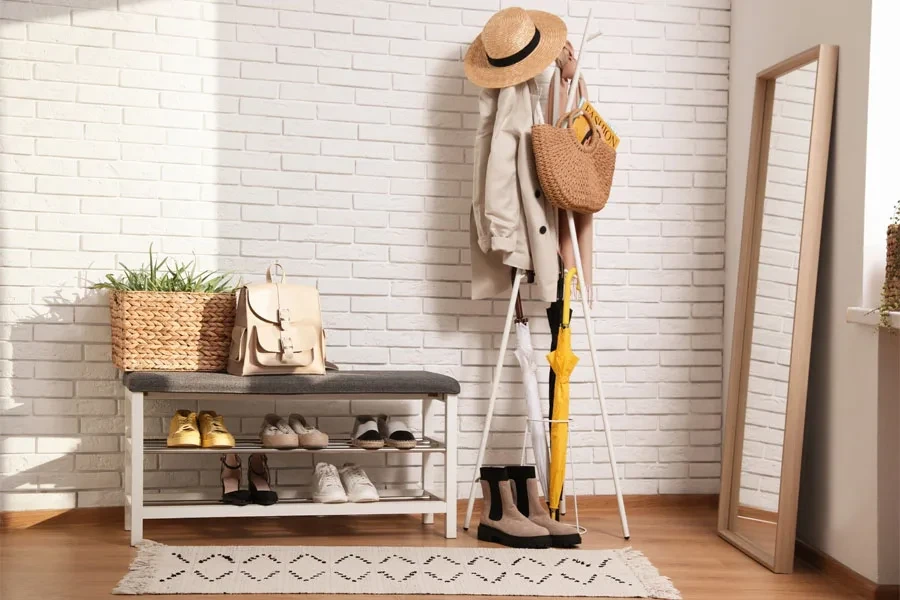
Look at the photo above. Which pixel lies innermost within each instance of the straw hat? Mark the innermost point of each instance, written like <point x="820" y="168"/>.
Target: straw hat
<point x="515" y="45"/>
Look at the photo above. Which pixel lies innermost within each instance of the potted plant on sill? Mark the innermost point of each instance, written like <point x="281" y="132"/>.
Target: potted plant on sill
<point x="890" y="293"/>
<point x="166" y="316"/>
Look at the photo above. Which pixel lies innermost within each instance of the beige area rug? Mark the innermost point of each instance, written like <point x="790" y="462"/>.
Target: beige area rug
<point x="160" y="569"/>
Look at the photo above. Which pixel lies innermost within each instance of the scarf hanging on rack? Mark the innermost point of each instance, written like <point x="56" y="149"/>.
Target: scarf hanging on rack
<point x="584" y="224"/>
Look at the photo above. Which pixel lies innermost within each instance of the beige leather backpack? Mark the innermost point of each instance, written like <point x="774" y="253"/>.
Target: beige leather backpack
<point x="277" y="329"/>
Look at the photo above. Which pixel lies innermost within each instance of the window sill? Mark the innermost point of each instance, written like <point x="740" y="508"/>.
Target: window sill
<point x="870" y="317"/>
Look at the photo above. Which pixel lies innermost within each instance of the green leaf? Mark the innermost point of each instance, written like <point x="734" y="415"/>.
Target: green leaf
<point x="163" y="275"/>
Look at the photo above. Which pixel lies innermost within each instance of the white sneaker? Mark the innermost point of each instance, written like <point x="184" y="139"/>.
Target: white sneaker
<point x="327" y="488"/>
<point x="356" y="482"/>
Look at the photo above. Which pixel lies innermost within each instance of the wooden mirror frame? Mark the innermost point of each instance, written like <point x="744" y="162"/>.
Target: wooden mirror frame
<point x="820" y="138"/>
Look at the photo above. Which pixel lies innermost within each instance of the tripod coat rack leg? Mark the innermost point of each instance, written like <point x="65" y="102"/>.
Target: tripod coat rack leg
<point x="495" y="387"/>
<point x="585" y="304"/>
<point x="586" y="309"/>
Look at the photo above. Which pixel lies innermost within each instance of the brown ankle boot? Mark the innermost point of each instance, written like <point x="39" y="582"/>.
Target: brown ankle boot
<point x="500" y="521"/>
<point x="528" y="500"/>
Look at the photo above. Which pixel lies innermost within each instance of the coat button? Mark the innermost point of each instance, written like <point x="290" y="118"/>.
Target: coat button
<point x="543" y="229"/>
<point x="537" y="193"/>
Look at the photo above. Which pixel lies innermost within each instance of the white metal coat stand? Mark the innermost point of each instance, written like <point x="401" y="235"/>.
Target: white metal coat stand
<point x="586" y="310"/>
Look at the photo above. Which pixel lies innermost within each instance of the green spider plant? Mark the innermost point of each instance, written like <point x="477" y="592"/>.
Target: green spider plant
<point x="163" y="275"/>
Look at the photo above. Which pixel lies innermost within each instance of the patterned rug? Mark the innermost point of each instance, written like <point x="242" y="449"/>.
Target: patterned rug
<point x="160" y="569"/>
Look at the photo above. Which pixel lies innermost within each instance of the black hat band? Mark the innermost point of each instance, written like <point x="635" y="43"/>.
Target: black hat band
<point x="518" y="56"/>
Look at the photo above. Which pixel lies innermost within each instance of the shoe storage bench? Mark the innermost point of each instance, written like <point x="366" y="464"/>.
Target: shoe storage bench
<point x="430" y="388"/>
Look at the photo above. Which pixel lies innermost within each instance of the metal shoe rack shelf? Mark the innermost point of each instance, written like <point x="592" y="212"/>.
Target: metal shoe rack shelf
<point x="430" y="388"/>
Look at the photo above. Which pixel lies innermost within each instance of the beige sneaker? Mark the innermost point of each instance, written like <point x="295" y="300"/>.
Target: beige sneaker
<point x="309" y="437"/>
<point x="183" y="432"/>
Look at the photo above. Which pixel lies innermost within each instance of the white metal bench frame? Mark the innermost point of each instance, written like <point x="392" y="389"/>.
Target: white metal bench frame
<point x="138" y="508"/>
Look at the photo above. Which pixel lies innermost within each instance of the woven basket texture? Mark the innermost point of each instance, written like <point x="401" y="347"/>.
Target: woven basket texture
<point x="573" y="177"/>
<point x="892" y="270"/>
<point x="171" y="331"/>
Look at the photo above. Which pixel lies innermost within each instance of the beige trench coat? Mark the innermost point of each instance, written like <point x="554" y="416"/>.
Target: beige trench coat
<point x="510" y="224"/>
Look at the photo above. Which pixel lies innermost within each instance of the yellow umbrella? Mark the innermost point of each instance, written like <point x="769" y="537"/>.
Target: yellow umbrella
<point x="563" y="362"/>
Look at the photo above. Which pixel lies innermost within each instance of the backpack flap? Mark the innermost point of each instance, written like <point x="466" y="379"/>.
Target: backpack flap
<point x="296" y="345"/>
<point x="277" y="303"/>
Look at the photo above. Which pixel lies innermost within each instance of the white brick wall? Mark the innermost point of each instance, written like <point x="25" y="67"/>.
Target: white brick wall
<point x="776" y="288"/>
<point x="337" y="136"/>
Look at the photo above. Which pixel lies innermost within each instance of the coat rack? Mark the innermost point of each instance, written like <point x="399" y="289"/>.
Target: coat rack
<point x="586" y="310"/>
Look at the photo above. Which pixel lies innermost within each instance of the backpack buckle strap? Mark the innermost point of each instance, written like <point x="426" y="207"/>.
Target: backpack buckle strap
<point x="287" y="347"/>
<point x="284" y="317"/>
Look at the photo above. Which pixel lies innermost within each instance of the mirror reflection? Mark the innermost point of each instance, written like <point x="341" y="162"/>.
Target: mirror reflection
<point x="773" y="316"/>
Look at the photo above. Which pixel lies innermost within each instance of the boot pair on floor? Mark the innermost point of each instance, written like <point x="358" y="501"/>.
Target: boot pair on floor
<point x="514" y="515"/>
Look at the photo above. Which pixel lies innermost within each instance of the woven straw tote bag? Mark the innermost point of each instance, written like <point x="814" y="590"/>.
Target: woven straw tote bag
<point x="574" y="176"/>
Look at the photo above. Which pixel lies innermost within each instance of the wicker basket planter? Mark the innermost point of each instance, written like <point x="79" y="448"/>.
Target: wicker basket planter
<point x="171" y="331"/>
<point x="891" y="300"/>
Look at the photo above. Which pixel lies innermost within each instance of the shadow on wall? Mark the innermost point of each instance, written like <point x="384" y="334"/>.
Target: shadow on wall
<point x="60" y="412"/>
<point x="114" y="143"/>
<point x="234" y="135"/>
<point x="816" y="447"/>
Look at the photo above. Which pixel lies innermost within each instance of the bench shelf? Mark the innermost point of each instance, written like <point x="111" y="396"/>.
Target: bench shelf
<point x="431" y="388"/>
<point x="244" y="445"/>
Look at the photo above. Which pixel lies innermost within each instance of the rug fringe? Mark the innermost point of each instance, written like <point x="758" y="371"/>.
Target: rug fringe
<point x="658" y="586"/>
<point x="141" y="570"/>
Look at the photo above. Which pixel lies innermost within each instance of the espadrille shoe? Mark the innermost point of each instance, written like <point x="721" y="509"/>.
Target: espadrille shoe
<point x="365" y="434"/>
<point x="183" y="432"/>
<point x="213" y="433"/>
<point x="395" y="433"/>
<point x="527" y="496"/>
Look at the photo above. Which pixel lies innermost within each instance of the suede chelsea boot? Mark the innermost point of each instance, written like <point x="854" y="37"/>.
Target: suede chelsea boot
<point x="500" y="521"/>
<point x="527" y="496"/>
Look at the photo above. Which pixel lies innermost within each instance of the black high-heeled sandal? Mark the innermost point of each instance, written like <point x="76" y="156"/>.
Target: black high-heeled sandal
<point x="231" y="483"/>
<point x="260" y="490"/>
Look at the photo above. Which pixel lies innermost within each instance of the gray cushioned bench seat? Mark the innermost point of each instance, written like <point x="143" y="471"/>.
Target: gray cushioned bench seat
<point x="333" y="382"/>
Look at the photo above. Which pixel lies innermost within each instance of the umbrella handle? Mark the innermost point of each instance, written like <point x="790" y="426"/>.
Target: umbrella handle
<point x="520" y="312"/>
<point x="567" y="294"/>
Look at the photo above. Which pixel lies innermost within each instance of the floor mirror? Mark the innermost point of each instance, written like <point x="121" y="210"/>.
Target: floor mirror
<point x="773" y="321"/>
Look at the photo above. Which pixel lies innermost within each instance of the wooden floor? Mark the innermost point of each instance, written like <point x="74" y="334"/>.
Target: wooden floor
<point x="60" y="560"/>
